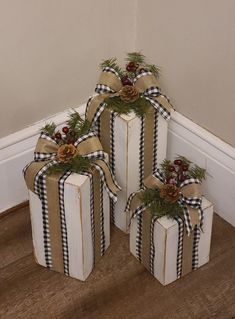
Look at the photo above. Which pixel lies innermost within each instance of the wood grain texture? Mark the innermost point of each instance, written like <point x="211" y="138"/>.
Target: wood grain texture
<point x="119" y="287"/>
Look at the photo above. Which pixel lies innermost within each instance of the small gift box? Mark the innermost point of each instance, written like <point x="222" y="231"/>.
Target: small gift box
<point x="131" y="116"/>
<point x="70" y="187"/>
<point x="170" y="231"/>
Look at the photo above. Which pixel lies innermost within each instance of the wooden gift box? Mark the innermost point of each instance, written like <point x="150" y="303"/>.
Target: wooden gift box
<point x="126" y="154"/>
<point x="77" y="212"/>
<point x="165" y="239"/>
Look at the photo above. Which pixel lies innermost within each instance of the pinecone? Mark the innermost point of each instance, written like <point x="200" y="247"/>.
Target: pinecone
<point x="170" y="193"/>
<point x="129" y="94"/>
<point x="66" y="152"/>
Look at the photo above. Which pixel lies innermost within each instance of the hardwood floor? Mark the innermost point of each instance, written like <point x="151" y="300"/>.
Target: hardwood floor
<point x="119" y="287"/>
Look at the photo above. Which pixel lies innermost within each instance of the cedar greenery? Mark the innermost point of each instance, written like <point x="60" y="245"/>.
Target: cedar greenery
<point x="140" y="107"/>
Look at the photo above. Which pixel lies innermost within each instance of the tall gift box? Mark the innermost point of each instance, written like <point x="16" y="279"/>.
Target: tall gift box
<point x="66" y="243"/>
<point x="69" y="211"/>
<point x="135" y="141"/>
<point x="171" y="223"/>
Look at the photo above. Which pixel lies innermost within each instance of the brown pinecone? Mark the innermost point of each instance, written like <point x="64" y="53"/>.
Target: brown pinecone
<point x="170" y="193"/>
<point x="66" y="152"/>
<point x="129" y="94"/>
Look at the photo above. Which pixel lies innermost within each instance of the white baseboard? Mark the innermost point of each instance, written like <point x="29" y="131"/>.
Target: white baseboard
<point x="185" y="138"/>
<point x="217" y="157"/>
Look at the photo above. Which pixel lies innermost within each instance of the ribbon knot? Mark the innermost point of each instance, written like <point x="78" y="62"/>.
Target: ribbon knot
<point x="110" y="84"/>
<point x="190" y="200"/>
<point x="87" y="146"/>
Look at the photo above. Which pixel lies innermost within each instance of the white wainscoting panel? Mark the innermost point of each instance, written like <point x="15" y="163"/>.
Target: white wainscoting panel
<point x="206" y="150"/>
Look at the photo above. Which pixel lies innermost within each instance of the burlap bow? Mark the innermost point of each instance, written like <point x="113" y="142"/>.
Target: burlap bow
<point x="110" y="84"/>
<point x="190" y="200"/>
<point x="88" y="146"/>
<point x="50" y="189"/>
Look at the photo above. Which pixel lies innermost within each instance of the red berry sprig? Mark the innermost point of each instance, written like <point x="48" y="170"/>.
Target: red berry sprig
<point x="171" y="168"/>
<point x="178" y="162"/>
<point x="132" y="67"/>
<point x="65" y="129"/>
<point x="185" y="167"/>
<point x="58" y="135"/>
<point x="126" y="80"/>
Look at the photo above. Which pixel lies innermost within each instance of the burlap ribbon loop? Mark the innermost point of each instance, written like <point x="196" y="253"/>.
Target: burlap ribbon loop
<point x="110" y="84"/>
<point x="88" y="146"/>
<point x="190" y="200"/>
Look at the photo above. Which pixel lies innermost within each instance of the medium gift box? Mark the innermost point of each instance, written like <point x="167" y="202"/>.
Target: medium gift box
<point x="70" y="211"/>
<point x="171" y="247"/>
<point x="133" y="132"/>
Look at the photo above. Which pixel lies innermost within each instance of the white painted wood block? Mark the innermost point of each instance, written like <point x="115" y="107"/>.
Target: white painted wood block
<point x="126" y="141"/>
<point x="166" y="244"/>
<point x="78" y="222"/>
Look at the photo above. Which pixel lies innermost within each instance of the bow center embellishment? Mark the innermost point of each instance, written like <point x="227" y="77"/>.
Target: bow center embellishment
<point x="66" y="152"/>
<point x="170" y="192"/>
<point x="129" y="94"/>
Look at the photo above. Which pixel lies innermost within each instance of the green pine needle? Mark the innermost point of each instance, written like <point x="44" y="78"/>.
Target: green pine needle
<point x="154" y="69"/>
<point x="77" y="165"/>
<point x="197" y="172"/>
<point x="135" y="57"/>
<point x="158" y="206"/>
<point x="165" y="168"/>
<point x="139" y="107"/>
<point x="49" y="129"/>
<point x="112" y="63"/>
<point x="77" y="126"/>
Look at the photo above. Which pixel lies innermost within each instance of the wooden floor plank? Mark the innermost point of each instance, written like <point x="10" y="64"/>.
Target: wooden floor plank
<point x="119" y="287"/>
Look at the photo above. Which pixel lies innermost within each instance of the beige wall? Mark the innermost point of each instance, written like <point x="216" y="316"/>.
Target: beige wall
<point x="194" y="42"/>
<point x="50" y="51"/>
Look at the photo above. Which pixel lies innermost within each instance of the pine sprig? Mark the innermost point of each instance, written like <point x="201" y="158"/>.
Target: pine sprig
<point x="135" y="57"/>
<point x="112" y="63"/>
<point x="77" y="164"/>
<point x="140" y="107"/>
<point x="165" y="165"/>
<point x="77" y="126"/>
<point x="197" y="172"/>
<point x="154" y="69"/>
<point x="158" y="206"/>
<point x="49" y="129"/>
